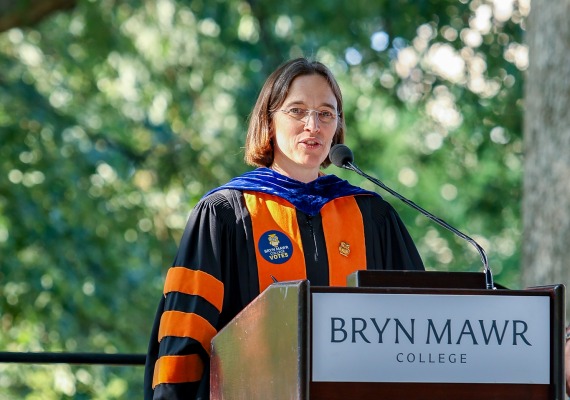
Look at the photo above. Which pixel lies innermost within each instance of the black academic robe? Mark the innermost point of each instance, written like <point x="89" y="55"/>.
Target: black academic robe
<point x="218" y="243"/>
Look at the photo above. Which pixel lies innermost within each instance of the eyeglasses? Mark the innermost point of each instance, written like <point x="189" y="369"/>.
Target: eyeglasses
<point x="303" y="114"/>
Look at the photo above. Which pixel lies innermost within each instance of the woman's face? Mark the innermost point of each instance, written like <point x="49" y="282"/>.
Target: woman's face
<point x="302" y="140"/>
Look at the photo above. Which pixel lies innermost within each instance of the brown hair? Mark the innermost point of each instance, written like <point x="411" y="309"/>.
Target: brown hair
<point x="258" y="143"/>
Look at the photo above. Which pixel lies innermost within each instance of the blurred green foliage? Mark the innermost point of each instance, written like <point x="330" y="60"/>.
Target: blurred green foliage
<point x="116" y="117"/>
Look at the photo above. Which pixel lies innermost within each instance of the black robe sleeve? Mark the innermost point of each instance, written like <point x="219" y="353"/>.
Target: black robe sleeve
<point x="211" y="244"/>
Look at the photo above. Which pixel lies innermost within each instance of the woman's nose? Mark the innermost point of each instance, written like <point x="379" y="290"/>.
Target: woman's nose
<point x="312" y="122"/>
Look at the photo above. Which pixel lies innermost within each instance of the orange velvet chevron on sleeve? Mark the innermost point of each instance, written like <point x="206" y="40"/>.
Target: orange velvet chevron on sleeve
<point x="182" y="324"/>
<point x="199" y="283"/>
<point x="177" y="369"/>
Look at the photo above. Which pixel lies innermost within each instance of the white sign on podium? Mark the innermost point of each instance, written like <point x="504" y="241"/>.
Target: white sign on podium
<point x="367" y="337"/>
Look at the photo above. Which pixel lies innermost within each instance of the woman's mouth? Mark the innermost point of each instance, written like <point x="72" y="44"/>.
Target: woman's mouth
<point x="311" y="143"/>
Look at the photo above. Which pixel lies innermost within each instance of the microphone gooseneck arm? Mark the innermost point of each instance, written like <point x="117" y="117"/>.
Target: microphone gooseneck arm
<point x="345" y="161"/>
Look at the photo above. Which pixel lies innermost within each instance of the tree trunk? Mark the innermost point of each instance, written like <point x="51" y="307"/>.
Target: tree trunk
<point x="546" y="202"/>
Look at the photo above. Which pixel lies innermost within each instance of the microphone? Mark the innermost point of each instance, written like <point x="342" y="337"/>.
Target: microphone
<point x="341" y="156"/>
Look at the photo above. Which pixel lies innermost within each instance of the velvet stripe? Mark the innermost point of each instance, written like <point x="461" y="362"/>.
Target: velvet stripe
<point x="346" y="246"/>
<point x="199" y="283"/>
<point x="272" y="213"/>
<point x="181" y="324"/>
<point x="177" y="369"/>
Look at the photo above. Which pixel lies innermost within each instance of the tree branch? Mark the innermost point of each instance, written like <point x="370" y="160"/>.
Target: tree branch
<point x="25" y="13"/>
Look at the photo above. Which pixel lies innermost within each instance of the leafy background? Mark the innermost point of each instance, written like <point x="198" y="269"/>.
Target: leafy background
<point x="115" y="118"/>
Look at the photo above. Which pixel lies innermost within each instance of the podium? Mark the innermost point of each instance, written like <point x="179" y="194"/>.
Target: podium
<point x="394" y="335"/>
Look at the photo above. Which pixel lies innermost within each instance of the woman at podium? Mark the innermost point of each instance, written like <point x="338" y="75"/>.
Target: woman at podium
<point x="285" y="220"/>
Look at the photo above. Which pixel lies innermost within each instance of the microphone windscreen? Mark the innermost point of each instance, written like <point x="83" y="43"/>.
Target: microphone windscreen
<point x="340" y="155"/>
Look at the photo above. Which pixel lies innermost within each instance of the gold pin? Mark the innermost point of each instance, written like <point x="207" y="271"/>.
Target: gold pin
<point x="344" y="249"/>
